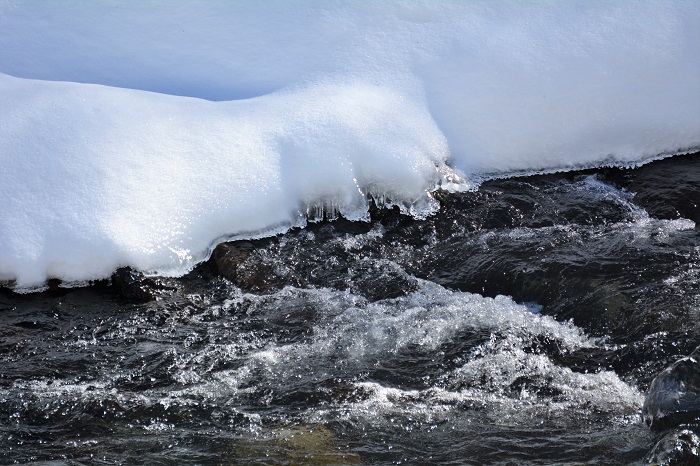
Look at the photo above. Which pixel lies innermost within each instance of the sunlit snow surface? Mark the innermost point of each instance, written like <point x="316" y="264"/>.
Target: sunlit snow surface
<point x="141" y="134"/>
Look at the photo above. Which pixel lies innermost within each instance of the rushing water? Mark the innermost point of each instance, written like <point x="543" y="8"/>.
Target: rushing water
<point x="521" y="324"/>
<point x="363" y="315"/>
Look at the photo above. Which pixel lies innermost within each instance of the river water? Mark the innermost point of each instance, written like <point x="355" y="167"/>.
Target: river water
<point x="521" y="324"/>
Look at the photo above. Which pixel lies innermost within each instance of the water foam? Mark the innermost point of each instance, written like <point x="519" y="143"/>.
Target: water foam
<point x="347" y="337"/>
<point x="336" y="102"/>
<point x="499" y="378"/>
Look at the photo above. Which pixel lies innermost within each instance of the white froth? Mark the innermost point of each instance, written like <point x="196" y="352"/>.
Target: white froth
<point x="309" y="107"/>
<point x="364" y="334"/>
<point x="499" y="381"/>
<point x="358" y="335"/>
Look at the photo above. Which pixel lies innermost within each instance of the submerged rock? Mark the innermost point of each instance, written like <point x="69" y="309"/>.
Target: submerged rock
<point x="674" y="395"/>
<point x="296" y="445"/>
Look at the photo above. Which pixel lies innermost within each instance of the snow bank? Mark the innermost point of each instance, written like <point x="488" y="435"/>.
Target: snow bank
<point x="140" y="134"/>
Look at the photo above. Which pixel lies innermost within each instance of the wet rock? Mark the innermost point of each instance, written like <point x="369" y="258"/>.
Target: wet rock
<point x="680" y="447"/>
<point x="324" y="262"/>
<point x="669" y="188"/>
<point x="134" y="286"/>
<point x="238" y="262"/>
<point x="228" y="257"/>
<point x="377" y="280"/>
<point x="674" y="395"/>
<point x="297" y="445"/>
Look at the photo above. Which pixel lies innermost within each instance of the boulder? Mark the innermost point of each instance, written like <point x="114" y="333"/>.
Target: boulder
<point x="674" y="395"/>
<point x="678" y="447"/>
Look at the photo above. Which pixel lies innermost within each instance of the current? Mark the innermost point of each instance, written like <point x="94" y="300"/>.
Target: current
<point x="350" y="233"/>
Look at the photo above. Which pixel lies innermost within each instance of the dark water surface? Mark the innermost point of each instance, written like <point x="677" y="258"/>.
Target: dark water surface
<point x="522" y="324"/>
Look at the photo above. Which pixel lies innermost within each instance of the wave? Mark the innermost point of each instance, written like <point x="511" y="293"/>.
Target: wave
<point x="142" y="135"/>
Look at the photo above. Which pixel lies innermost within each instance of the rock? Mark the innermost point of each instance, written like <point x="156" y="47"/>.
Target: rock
<point x="679" y="447"/>
<point x="296" y="445"/>
<point x="254" y="266"/>
<point x="669" y="188"/>
<point x="228" y="257"/>
<point x="674" y="395"/>
<point x="238" y="262"/>
<point x="377" y="280"/>
<point x="133" y="286"/>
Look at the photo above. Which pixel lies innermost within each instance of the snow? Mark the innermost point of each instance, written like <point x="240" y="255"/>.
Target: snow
<point x="142" y="133"/>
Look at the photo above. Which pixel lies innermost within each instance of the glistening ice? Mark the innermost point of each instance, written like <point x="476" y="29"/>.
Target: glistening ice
<point x="141" y="135"/>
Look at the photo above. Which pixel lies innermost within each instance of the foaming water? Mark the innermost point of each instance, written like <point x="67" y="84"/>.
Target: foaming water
<point x="112" y="157"/>
<point x="321" y="357"/>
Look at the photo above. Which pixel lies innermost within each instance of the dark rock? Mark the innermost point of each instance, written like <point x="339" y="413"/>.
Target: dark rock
<point x="253" y="267"/>
<point x="669" y="188"/>
<point x="377" y="280"/>
<point x="133" y="286"/>
<point x="228" y="257"/>
<point x="237" y="262"/>
<point x="674" y="395"/>
<point x="680" y="447"/>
